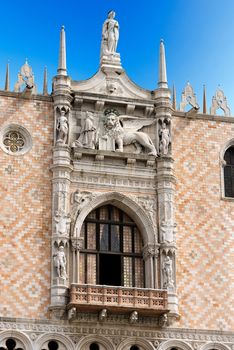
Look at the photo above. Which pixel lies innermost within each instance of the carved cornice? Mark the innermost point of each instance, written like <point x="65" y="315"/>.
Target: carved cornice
<point x="87" y="324"/>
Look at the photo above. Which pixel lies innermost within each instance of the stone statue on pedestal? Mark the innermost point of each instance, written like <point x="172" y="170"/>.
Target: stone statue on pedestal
<point x="110" y="35"/>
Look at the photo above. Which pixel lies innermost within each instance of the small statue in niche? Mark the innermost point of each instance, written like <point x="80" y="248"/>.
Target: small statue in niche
<point x="87" y="138"/>
<point x="124" y="132"/>
<point x="110" y="35"/>
<point x="167" y="273"/>
<point x="62" y="223"/>
<point x="62" y="128"/>
<point x="60" y="263"/>
<point x="164" y="139"/>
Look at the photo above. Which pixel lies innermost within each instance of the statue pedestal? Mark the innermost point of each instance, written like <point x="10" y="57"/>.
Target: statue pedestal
<point x="110" y="62"/>
<point x="59" y="295"/>
<point x="107" y="144"/>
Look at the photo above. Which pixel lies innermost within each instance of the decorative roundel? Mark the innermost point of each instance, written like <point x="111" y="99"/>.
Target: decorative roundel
<point x="15" y="139"/>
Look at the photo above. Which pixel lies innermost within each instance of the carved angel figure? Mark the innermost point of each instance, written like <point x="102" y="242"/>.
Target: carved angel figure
<point x="123" y="131"/>
<point x="62" y="223"/>
<point x="167" y="231"/>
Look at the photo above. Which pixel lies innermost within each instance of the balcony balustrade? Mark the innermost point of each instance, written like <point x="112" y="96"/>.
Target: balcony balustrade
<point x="93" y="298"/>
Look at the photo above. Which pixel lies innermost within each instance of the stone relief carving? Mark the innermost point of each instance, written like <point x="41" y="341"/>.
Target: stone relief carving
<point x="188" y="98"/>
<point x="26" y="78"/>
<point x="60" y="263"/>
<point x="149" y="206"/>
<point x="87" y="138"/>
<point x="167" y="231"/>
<point x="62" y="223"/>
<point x="220" y="101"/>
<point x="122" y="131"/>
<point x="133" y="317"/>
<point x="102" y="316"/>
<point x="164" y="139"/>
<point x="163" y="320"/>
<point x="110" y="35"/>
<point x="62" y="127"/>
<point x="80" y="199"/>
<point x="167" y="271"/>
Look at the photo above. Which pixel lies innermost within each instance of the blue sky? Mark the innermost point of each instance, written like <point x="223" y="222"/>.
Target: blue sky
<point x="198" y="35"/>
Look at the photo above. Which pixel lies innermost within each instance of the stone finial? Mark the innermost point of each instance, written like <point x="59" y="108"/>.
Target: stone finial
<point x="45" y="89"/>
<point x="162" y="76"/>
<point x="204" y="100"/>
<point x="62" y="67"/>
<point x="220" y="101"/>
<point x="26" y="78"/>
<point x="7" y="81"/>
<point x="188" y="98"/>
<point x="174" y="97"/>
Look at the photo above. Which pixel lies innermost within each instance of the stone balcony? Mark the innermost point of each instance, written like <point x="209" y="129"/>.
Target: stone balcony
<point x="93" y="298"/>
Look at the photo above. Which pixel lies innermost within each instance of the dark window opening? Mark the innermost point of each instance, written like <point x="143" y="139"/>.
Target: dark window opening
<point x="94" y="346"/>
<point x="229" y="172"/>
<point x="134" y="347"/>
<point x="53" y="345"/>
<point x="110" y="269"/>
<point x="112" y="252"/>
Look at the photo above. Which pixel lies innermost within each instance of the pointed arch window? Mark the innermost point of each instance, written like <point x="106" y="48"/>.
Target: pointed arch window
<point x="112" y="253"/>
<point x="229" y="172"/>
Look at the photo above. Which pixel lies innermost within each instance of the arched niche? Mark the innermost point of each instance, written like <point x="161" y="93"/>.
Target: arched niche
<point x="64" y="343"/>
<point x="133" y="209"/>
<point x="143" y="222"/>
<point x="174" y="344"/>
<point x="102" y="342"/>
<point x="21" y="339"/>
<point x="142" y="344"/>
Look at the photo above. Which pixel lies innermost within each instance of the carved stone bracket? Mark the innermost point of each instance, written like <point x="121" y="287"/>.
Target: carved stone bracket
<point x="150" y="250"/>
<point x="77" y="244"/>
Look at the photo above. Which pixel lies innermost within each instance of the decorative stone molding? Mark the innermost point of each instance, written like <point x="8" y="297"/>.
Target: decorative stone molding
<point x="15" y="139"/>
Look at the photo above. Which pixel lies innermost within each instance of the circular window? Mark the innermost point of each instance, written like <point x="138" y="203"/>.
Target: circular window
<point x="15" y="139"/>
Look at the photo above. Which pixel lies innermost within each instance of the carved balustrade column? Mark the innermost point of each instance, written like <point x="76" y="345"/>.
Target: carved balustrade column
<point x="77" y="245"/>
<point x="150" y="256"/>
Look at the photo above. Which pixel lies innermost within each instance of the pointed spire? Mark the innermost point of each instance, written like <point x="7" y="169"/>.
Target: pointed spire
<point x="62" y="68"/>
<point x="162" y="76"/>
<point x="204" y="99"/>
<point x="7" y="81"/>
<point x="45" y="90"/>
<point x="174" y="98"/>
